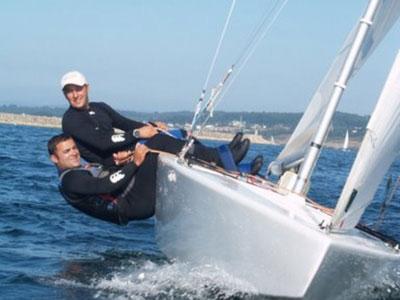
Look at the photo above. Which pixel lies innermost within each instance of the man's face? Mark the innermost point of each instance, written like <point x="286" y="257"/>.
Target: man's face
<point x="77" y="96"/>
<point x="67" y="155"/>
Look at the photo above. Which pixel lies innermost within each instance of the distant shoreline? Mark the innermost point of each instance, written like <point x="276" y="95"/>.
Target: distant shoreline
<point x="30" y="120"/>
<point x="55" y="122"/>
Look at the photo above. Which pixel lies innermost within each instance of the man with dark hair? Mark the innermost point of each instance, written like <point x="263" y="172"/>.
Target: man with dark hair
<point x="55" y="140"/>
<point x="115" y="196"/>
<point x="92" y="125"/>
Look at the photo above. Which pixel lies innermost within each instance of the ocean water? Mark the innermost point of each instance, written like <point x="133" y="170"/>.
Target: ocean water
<point x="50" y="251"/>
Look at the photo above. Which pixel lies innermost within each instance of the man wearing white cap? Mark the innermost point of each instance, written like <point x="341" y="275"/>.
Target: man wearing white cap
<point x="92" y="127"/>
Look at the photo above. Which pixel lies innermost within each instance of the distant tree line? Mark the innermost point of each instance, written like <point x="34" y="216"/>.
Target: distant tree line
<point x="271" y="123"/>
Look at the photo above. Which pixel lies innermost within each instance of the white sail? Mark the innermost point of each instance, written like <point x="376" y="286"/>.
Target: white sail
<point x="346" y="141"/>
<point x="294" y="151"/>
<point x="380" y="146"/>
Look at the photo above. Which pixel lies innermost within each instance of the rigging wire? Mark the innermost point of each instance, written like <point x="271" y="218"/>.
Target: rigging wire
<point x="212" y="65"/>
<point x="391" y="189"/>
<point x="256" y="31"/>
<point x="219" y="44"/>
<point x="256" y="37"/>
<point x="218" y="93"/>
<point x="253" y="48"/>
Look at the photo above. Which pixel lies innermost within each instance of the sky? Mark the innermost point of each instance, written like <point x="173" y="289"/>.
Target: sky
<point x="154" y="55"/>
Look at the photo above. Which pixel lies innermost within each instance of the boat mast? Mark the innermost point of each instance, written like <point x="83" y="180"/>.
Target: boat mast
<point x="314" y="149"/>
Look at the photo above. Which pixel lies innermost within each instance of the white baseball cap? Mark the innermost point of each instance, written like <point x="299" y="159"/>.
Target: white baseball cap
<point x="73" y="77"/>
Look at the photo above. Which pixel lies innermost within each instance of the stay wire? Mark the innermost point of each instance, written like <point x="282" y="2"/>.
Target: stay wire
<point x="250" y="48"/>
<point x="250" y="40"/>
<point x="253" y="35"/>
<point x="217" y="51"/>
<point x="253" y="48"/>
<point x="212" y="65"/>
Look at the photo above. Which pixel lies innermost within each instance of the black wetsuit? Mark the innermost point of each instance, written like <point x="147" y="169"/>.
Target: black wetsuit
<point x="118" y="197"/>
<point x="93" y="131"/>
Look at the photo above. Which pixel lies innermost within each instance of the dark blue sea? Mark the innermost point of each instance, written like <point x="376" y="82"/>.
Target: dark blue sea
<point x="50" y="251"/>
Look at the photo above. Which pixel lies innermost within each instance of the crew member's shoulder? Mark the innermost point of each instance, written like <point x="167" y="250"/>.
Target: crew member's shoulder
<point x="71" y="175"/>
<point x="97" y="103"/>
<point x="70" y="118"/>
<point x="100" y="105"/>
<point x="70" y="112"/>
<point x="74" y="180"/>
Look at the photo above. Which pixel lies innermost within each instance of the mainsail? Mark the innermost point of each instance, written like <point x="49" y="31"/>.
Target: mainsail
<point x="294" y="151"/>
<point x="380" y="146"/>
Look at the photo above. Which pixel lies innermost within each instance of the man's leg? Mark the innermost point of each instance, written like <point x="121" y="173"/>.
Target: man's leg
<point x="137" y="202"/>
<point x="171" y="145"/>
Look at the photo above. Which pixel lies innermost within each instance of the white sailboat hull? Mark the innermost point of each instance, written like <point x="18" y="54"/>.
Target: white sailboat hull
<point x="268" y="239"/>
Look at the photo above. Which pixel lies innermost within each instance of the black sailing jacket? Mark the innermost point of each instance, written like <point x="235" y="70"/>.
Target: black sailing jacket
<point x="96" y="194"/>
<point x="93" y="131"/>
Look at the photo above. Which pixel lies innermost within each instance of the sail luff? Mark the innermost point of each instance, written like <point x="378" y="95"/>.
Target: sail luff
<point x="314" y="149"/>
<point x="379" y="148"/>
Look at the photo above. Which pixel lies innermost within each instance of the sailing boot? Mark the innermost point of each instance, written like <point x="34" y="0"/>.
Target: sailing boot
<point x="256" y="165"/>
<point x="230" y="156"/>
<point x="236" y="140"/>
<point x="226" y="156"/>
<point x="240" y="150"/>
<point x="252" y="167"/>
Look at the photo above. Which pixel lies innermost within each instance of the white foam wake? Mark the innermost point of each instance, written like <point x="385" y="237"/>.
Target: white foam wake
<point x="171" y="281"/>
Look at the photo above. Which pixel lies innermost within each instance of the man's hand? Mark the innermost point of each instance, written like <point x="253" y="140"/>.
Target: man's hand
<point x="147" y="131"/>
<point x="123" y="157"/>
<point x="161" y="125"/>
<point x="140" y="154"/>
<point x="137" y="156"/>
